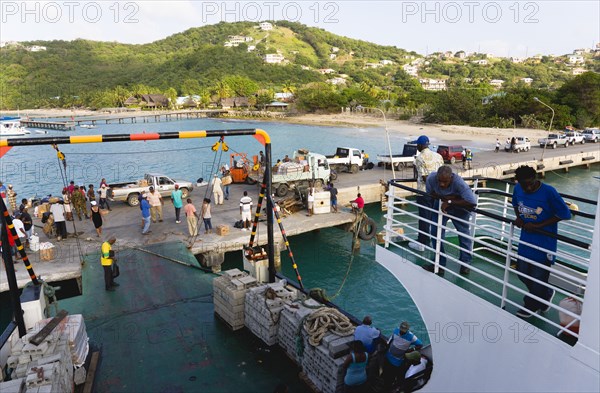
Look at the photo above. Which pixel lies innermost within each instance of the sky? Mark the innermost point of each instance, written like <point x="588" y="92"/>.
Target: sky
<point x="502" y="28"/>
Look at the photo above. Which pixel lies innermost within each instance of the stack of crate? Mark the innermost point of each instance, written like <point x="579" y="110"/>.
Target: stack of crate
<point x="262" y="313"/>
<point x="229" y="291"/>
<point x="290" y="320"/>
<point x="323" y="364"/>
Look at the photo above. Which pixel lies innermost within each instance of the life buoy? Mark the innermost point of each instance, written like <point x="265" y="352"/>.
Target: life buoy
<point x="255" y="167"/>
<point x="368" y="229"/>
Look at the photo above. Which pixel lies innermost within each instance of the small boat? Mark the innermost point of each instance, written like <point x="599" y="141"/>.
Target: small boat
<point x="11" y="126"/>
<point x="88" y="126"/>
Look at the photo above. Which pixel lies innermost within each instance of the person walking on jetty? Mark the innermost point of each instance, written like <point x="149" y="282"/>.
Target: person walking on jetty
<point x="156" y="202"/>
<point x="96" y="218"/>
<point x="333" y="197"/>
<point x="58" y="212"/>
<point x="206" y="216"/>
<point x="497" y="145"/>
<point x="217" y="190"/>
<point x="537" y="206"/>
<point x="145" y="208"/>
<point x="12" y="197"/>
<point x="104" y="197"/>
<point x="67" y="204"/>
<point x="192" y="217"/>
<point x="246" y="210"/>
<point x="469" y="158"/>
<point x="226" y="180"/>
<point x="176" y="198"/>
<point x="78" y="198"/>
<point x="107" y="259"/>
<point x="91" y="193"/>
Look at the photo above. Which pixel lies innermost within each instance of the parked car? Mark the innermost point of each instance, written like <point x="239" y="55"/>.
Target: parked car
<point x="522" y="143"/>
<point x="591" y="135"/>
<point x="450" y="153"/>
<point x="129" y="191"/>
<point x="553" y="141"/>
<point x="575" y="137"/>
<point x="346" y="159"/>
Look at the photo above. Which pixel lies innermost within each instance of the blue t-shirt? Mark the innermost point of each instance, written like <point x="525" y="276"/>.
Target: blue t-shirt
<point x="145" y="206"/>
<point x="457" y="186"/>
<point x="176" y="196"/>
<point x="367" y="334"/>
<point x="536" y="207"/>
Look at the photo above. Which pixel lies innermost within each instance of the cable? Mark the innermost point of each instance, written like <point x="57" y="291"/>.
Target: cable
<point x="141" y="152"/>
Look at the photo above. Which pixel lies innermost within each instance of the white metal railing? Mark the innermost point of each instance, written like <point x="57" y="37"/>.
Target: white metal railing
<point x="493" y="232"/>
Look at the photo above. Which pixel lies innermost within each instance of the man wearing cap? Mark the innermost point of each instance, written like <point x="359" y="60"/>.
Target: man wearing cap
<point x="104" y="197"/>
<point x="58" y="212"/>
<point x="107" y="258"/>
<point x="426" y="162"/>
<point x="400" y="342"/>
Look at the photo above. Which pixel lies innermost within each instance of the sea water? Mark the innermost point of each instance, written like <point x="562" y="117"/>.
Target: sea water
<point x="356" y="282"/>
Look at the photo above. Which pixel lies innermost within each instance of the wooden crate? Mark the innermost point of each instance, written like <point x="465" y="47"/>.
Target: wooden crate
<point x="222" y="230"/>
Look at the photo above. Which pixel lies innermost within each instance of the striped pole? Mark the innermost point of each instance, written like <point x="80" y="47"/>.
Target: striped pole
<point x="286" y="242"/>
<point x="261" y="196"/>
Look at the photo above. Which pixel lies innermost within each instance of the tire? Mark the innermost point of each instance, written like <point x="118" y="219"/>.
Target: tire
<point x="318" y="183"/>
<point x="380" y="164"/>
<point x="370" y="165"/>
<point x="452" y="160"/>
<point x="184" y="193"/>
<point x="282" y="190"/>
<point x="554" y="145"/>
<point x="333" y="176"/>
<point x="368" y="229"/>
<point x="582" y="141"/>
<point x="353" y="168"/>
<point x="132" y="199"/>
<point x="566" y="144"/>
<point x="250" y="180"/>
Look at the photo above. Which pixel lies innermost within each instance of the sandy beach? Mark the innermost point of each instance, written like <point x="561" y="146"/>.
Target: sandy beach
<point x="479" y="137"/>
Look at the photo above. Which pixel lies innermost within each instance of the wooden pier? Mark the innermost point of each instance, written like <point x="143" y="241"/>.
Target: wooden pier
<point x="49" y="125"/>
<point x="148" y="117"/>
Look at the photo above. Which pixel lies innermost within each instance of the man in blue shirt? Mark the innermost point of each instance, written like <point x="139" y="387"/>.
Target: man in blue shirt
<point x="370" y="338"/>
<point x="401" y="341"/>
<point x="176" y="196"/>
<point x="537" y="206"/>
<point x="145" y="206"/>
<point x="454" y="197"/>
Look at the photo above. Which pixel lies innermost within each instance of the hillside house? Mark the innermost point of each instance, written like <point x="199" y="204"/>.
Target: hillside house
<point x="326" y="71"/>
<point x="154" y="101"/>
<point x="284" y="97"/>
<point x="36" y="48"/>
<point x="481" y="62"/>
<point x="433" y="84"/>
<point x="131" y="101"/>
<point x="461" y="54"/>
<point x="335" y="49"/>
<point x="411" y="69"/>
<point x="578" y="71"/>
<point x="575" y="59"/>
<point x="497" y="83"/>
<point x="265" y="26"/>
<point x="187" y="102"/>
<point x="527" y="81"/>
<point x="373" y="65"/>
<point x="234" y="102"/>
<point x="336" y="81"/>
<point x="386" y="62"/>
<point x="273" y="58"/>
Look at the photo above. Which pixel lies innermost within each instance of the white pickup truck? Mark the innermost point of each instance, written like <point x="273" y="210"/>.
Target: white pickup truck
<point x="575" y="137"/>
<point x="522" y="143"/>
<point x="346" y="159"/>
<point x="129" y="192"/>
<point x="407" y="158"/>
<point x="554" y="140"/>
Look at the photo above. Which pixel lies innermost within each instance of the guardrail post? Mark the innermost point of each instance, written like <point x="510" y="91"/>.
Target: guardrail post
<point x="438" y="236"/>
<point x="507" y="265"/>
<point x="390" y="212"/>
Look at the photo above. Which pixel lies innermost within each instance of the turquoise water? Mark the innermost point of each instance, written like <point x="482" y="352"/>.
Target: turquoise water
<point x="323" y="257"/>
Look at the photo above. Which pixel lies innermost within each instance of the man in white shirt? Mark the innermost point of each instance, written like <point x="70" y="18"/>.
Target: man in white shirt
<point x="425" y="163"/>
<point x="58" y="212"/>
<point x="156" y="202"/>
<point x="246" y="210"/>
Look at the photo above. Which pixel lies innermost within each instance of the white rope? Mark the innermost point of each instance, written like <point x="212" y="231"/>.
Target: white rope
<point x="325" y="320"/>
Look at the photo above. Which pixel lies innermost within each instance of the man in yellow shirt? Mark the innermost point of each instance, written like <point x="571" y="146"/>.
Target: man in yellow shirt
<point x="107" y="258"/>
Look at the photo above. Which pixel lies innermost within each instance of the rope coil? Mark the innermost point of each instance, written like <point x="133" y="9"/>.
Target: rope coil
<point x="325" y="320"/>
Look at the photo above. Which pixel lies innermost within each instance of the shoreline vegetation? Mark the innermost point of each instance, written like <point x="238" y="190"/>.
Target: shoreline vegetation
<point x="478" y="136"/>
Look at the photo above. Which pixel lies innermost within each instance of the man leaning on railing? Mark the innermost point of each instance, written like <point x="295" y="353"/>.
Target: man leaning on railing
<point x="537" y="206"/>
<point x="455" y="199"/>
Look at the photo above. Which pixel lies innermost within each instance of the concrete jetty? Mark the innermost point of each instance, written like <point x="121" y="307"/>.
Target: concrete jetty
<point x="124" y="221"/>
<point x="49" y="125"/>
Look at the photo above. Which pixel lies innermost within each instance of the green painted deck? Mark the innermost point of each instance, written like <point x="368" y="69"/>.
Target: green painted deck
<point x="157" y="332"/>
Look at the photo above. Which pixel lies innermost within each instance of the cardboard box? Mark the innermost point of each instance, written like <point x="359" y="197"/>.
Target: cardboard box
<point x="43" y="208"/>
<point x="222" y="230"/>
<point x="47" y="253"/>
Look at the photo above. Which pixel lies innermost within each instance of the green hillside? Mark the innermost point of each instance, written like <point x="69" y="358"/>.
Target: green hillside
<point x="83" y="73"/>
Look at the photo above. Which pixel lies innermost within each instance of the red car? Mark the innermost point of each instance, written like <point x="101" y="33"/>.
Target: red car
<point x="450" y="153"/>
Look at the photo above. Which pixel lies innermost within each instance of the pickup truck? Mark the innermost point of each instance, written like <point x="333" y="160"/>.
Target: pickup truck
<point x="305" y="167"/>
<point x="591" y="135"/>
<point x="575" y="137"/>
<point x="522" y="143"/>
<point x="129" y="192"/>
<point x="405" y="159"/>
<point x="554" y="140"/>
<point x="346" y="159"/>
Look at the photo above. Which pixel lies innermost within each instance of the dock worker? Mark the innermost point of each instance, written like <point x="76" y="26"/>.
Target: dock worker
<point x="469" y="158"/>
<point x="246" y="210"/>
<point x="176" y="198"/>
<point x="370" y="337"/>
<point x="455" y="199"/>
<point x="426" y="162"/>
<point x="78" y="199"/>
<point x="537" y="206"/>
<point x="401" y="341"/>
<point x="217" y="190"/>
<point x="156" y="202"/>
<point x="358" y="204"/>
<point x="107" y="258"/>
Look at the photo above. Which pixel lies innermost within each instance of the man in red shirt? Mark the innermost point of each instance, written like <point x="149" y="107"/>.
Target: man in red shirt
<point x="357" y="204"/>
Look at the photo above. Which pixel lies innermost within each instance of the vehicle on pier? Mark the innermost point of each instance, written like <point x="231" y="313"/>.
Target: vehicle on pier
<point x="346" y="159"/>
<point x="163" y="184"/>
<point x="407" y="158"/>
<point x="306" y="167"/>
<point x="553" y="141"/>
<point x="575" y="137"/>
<point x="591" y="135"/>
<point x="522" y="143"/>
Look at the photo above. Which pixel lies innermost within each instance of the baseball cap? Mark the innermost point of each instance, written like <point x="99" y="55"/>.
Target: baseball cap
<point x="404" y="326"/>
<point x="422" y="140"/>
<point x="93" y="203"/>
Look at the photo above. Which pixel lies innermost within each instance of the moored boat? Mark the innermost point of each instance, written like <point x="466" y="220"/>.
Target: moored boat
<point x="11" y="126"/>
